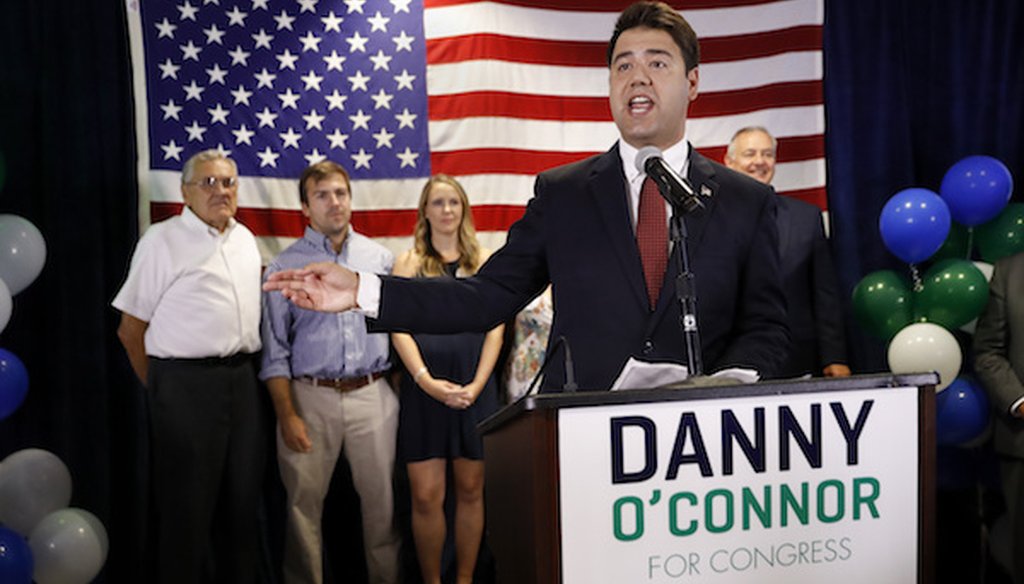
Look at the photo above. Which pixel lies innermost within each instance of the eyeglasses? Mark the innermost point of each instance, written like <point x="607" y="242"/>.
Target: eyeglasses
<point x="209" y="183"/>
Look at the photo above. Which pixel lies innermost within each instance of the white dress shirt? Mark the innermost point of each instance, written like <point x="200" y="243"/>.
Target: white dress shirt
<point x="198" y="288"/>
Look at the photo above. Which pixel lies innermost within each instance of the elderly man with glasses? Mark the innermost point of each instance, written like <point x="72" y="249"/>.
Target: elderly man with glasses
<point x="190" y="315"/>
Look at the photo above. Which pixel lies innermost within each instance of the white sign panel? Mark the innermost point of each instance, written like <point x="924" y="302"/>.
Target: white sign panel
<point x="804" y="488"/>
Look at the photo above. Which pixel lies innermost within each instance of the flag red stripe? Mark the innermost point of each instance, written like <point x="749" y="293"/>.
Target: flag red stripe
<point x="594" y="54"/>
<point x="615" y="6"/>
<point x="595" y="109"/>
<point x="379" y="223"/>
<point x="795" y="149"/>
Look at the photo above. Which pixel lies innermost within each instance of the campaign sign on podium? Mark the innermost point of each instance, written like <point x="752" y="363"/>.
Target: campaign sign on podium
<point x="794" y="488"/>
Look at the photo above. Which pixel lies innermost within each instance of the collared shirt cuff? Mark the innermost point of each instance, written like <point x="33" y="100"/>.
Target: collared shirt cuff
<point x="1015" y="405"/>
<point x="368" y="294"/>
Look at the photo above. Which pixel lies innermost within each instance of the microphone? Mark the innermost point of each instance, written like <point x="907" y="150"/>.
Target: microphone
<point x="674" y="188"/>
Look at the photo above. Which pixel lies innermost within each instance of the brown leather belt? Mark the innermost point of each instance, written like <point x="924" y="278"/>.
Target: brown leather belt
<point x="343" y="384"/>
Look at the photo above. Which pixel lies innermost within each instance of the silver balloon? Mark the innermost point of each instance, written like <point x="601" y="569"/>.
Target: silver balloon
<point x="5" y="306"/>
<point x="22" y="252"/>
<point x="68" y="546"/>
<point x="33" y="483"/>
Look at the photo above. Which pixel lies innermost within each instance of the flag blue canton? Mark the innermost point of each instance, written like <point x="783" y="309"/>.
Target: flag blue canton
<point x="279" y="85"/>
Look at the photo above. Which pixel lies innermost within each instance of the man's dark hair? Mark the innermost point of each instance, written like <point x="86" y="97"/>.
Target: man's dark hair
<point x="659" y="16"/>
<point x="319" y="172"/>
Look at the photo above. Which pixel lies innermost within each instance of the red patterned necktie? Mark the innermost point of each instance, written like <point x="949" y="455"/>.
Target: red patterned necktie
<point x="652" y="238"/>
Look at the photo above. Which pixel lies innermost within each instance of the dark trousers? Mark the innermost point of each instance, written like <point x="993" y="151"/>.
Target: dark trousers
<point x="207" y="438"/>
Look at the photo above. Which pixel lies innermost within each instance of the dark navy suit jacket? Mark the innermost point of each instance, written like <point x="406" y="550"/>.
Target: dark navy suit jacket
<point x="578" y="235"/>
<point x="815" y="314"/>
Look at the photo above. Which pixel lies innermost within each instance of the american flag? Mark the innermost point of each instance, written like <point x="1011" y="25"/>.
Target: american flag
<point x="397" y="90"/>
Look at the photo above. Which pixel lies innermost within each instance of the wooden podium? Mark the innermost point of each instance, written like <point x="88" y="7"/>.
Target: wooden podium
<point x="530" y="444"/>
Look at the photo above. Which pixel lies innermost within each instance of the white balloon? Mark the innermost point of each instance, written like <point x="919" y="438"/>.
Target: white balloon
<point x="923" y="347"/>
<point x="67" y="548"/>
<point x="6" y="305"/>
<point x="986" y="270"/>
<point x="22" y="252"/>
<point x="33" y="483"/>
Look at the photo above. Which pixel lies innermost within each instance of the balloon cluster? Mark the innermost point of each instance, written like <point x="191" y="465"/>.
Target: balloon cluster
<point x="916" y="315"/>
<point x="41" y="538"/>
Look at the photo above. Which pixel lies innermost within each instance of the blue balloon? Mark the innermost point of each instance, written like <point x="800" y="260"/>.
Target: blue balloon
<point x="914" y="224"/>
<point x="13" y="383"/>
<point x="962" y="412"/>
<point x="976" y="189"/>
<point x="15" y="558"/>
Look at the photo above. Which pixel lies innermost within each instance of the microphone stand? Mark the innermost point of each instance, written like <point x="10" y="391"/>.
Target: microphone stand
<point x="686" y="292"/>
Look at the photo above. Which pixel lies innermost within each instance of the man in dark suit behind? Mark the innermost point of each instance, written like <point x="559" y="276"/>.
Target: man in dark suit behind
<point x="814" y="315"/>
<point x="579" y="233"/>
<point x="999" y="364"/>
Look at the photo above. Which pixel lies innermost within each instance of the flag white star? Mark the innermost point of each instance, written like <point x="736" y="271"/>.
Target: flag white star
<point x="362" y="159"/>
<point x="290" y="138"/>
<point x="334" y="61"/>
<point x="310" y="42"/>
<point x="265" y="79"/>
<point x="268" y="157"/>
<point x="380" y="61"/>
<point x="309" y="5"/>
<point x="239" y="57"/>
<point x="262" y="39"/>
<point x="355" y="6"/>
<point x="213" y="35"/>
<point x="266" y="117"/>
<point x="406" y="119"/>
<point x="336" y="100"/>
<point x="314" y="120"/>
<point x="188" y="12"/>
<point x="314" y="157"/>
<point x="216" y="74"/>
<point x="166" y="29"/>
<point x="286" y="60"/>
<point x="195" y="132"/>
<point x="171" y="109"/>
<point x="171" y="150"/>
<point x="243" y="135"/>
<point x="218" y="114"/>
<point x="256" y="4"/>
<point x="190" y="51"/>
<point x="358" y="81"/>
<point x="193" y="91"/>
<point x="332" y="22"/>
<point x="401" y="6"/>
<point x="357" y="42"/>
<point x="360" y="120"/>
<point x="241" y="95"/>
<point x="404" y="80"/>
<point x="168" y="69"/>
<point x="236" y="16"/>
<point x="289" y="99"/>
<point x="312" y="80"/>
<point x="284" y="20"/>
<point x="378" y="22"/>
<point x="382" y="100"/>
<point x="383" y="138"/>
<point x="408" y="157"/>
<point x="403" y="42"/>
<point x="223" y="151"/>
<point x="205" y="2"/>
<point x="337" y="139"/>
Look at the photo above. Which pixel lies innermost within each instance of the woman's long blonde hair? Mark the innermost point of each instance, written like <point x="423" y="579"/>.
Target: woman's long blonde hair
<point x="432" y="264"/>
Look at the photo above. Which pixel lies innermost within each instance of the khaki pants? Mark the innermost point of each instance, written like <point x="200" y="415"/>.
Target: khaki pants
<point x="365" y="422"/>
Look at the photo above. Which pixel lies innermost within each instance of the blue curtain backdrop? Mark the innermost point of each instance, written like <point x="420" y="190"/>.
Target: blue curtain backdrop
<point x="911" y="87"/>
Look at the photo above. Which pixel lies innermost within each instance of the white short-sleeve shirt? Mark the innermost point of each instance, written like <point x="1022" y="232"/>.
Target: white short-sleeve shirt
<point x="198" y="288"/>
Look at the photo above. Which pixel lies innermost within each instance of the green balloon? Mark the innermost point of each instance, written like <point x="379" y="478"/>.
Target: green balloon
<point x="953" y="293"/>
<point x="955" y="247"/>
<point x="881" y="303"/>
<point x="1002" y="236"/>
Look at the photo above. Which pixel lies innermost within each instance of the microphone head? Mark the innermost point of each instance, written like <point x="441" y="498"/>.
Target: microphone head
<point x="645" y="154"/>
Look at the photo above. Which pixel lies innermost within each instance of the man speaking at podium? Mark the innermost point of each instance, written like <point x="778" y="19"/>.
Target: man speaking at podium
<point x="599" y="235"/>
